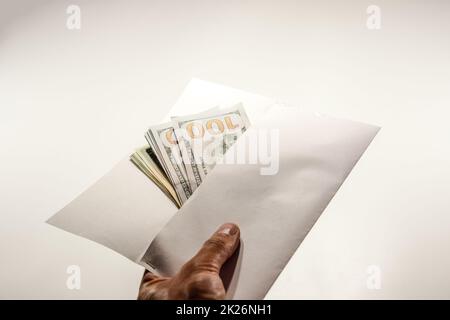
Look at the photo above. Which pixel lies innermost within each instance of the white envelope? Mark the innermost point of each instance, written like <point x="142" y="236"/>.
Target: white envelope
<point x="126" y="212"/>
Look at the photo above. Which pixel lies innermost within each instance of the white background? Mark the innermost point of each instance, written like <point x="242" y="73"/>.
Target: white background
<point x="73" y="103"/>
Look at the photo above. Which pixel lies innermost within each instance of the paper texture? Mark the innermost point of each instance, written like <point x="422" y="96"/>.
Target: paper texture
<point x="274" y="212"/>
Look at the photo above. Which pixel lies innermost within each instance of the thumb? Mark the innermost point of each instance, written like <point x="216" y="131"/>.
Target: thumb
<point x="217" y="249"/>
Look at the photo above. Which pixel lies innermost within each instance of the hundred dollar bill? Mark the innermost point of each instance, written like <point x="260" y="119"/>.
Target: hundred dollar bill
<point x="145" y="159"/>
<point x="163" y="141"/>
<point x="204" y="138"/>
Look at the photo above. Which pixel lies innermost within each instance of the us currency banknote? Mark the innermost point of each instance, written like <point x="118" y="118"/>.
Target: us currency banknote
<point x="145" y="159"/>
<point x="183" y="151"/>
<point x="204" y="138"/>
<point x="163" y="141"/>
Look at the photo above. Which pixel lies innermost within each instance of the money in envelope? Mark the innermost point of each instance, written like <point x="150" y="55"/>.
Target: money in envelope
<point x="278" y="170"/>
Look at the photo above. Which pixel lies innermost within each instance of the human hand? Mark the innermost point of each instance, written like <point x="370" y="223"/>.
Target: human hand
<point x="199" y="277"/>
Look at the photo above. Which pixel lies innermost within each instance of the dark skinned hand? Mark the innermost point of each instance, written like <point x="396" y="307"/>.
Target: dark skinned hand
<point x="199" y="277"/>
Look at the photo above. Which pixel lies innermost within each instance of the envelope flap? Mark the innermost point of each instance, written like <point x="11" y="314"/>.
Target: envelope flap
<point x="124" y="211"/>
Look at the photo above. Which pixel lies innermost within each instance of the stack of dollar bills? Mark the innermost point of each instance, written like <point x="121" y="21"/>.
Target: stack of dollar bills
<point x="183" y="151"/>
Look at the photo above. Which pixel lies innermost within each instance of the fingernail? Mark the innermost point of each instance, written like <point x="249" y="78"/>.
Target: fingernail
<point x="225" y="231"/>
<point x="228" y="229"/>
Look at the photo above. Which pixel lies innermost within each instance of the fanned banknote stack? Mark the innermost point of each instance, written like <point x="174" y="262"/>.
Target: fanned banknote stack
<point x="183" y="151"/>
